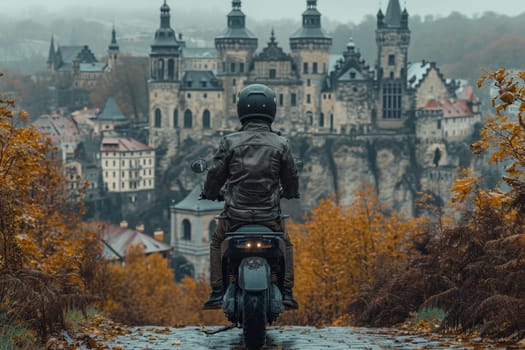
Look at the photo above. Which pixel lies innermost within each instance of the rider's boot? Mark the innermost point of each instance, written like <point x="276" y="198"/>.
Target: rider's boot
<point x="288" y="299"/>
<point x="215" y="299"/>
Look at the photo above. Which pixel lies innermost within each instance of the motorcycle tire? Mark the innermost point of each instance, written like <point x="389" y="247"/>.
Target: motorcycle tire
<point x="254" y="320"/>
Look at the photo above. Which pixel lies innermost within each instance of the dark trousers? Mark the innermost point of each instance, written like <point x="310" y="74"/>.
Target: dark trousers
<point x="228" y="225"/>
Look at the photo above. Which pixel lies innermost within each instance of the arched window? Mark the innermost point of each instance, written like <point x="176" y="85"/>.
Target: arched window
<point x="211" y="229"/>
<point x="186" y="230"/>
<point x="206" y="119"/>
<point x="171" y="69"/>
<point x="160" y="69"/>
<point x="309" y="118"/>
<point x="176" y="118"/>
<point x="158" y="118"/>
<point x="188" y="119"/>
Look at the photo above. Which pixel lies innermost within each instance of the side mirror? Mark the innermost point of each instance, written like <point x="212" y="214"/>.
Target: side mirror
<point x="298" y="164"/>
<point x="199" y="166"/>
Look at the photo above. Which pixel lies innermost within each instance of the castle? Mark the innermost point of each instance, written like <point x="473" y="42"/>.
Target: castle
<point x="352" y="99"/>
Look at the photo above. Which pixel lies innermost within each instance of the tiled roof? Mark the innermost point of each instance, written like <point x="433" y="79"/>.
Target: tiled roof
<point x="273" y="52"/>
<point x="93" y="67"/>
<point x="118" y="241"/>
<point x="200" y="80"/>
<point x="121" y="144"/>
<point x="192" y="203"/>
<point x="451" y="107"/>
<point x="57" y="127"/>
<point x="112" y="112"/>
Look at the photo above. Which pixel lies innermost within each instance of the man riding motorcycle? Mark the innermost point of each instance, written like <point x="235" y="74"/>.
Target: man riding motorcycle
<point x="258" y="168"/>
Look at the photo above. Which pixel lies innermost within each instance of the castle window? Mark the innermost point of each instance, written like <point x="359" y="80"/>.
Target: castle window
<point x="234" y="99"/>
<point x="309" y="118"/>
<point x="439" y="124"/>
<point x="232" y="67"/>
<point x="188" y="95"/>
<point x="224" y="67"/>
<point x="314" y="68"/>
<point x="392" y="101"/>
<point x="281" y="99"/>
<point x="391" y="75"/>
<point x="171" y="69"/>
<point x="293" y="100"/>
<point x="273" y="73"/>
<point x="176" y="118"/>
<point x="206" y="119"/>
<point x="352" y="75"/>
<point x="391" y="60"/>
<point x="186" y="230"/>
<point x="305" y="68"/>
<point x="241" y="67"/>
<point x="188" y="119"/>
<point x="308" y="82"/>
<point x="158" y="118"/>
<point x="321" y="120"/>
<point x="308" y="98"/>
<point x="234" y="82"/>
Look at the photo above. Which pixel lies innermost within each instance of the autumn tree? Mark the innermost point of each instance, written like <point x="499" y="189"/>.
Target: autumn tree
<point x="144" y="292"/>
<point x="127" y="83"/>
<point x="474" y="269"/>
<point x="42" y="245"/>
<point x="338" y="252"/>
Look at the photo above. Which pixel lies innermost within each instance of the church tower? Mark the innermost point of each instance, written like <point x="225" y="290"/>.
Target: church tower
<point x="113" y="50"/>
<point x="393" y="40"/>
<point x="236" y="47"/>
<point x="164" y="83"/>
<point x="311" y="51"/>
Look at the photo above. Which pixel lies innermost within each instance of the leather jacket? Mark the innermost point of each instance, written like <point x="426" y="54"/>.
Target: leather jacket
<point x="254" y="163"/>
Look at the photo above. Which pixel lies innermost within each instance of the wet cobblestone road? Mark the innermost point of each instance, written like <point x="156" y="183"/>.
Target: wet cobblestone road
<point x="285" y="338"/>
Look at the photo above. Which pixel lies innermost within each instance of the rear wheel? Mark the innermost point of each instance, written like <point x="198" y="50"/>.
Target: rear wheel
<point x="254" y="320"/>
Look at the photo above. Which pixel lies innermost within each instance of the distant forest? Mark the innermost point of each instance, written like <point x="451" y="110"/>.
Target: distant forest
<point x="461" y="46"/>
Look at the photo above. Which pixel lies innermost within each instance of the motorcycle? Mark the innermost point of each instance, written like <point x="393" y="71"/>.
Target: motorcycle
<point x="253" y="273"/>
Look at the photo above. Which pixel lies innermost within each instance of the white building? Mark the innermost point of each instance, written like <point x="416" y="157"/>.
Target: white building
<point x="127" y="165"/>
<point x="192" y="224"/>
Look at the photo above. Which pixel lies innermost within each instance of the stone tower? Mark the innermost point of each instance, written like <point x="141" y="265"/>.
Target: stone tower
<point x="311" y="51"/>
<point x="113" y="50"/>
<point x="164" y="82"/>
<point x="393" y="40"/>
<point x="236" y="47"/>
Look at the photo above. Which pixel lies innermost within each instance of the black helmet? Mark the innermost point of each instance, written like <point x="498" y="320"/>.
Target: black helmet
<point x="256" y="101"/>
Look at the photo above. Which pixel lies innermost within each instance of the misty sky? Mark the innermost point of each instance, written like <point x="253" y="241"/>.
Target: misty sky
<point x="340" y="10"/>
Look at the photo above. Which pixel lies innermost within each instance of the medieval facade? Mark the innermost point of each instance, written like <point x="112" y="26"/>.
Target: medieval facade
<point x="75" y="72"/>
<point x="353" y="98"/>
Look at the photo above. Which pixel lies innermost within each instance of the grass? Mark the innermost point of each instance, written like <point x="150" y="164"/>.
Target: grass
<point x="16" y="336"/>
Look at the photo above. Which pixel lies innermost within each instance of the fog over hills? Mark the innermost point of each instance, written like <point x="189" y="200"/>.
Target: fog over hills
<point x="339" y="10"/>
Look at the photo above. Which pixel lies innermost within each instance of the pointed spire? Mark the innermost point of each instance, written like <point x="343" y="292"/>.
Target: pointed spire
<point x="51" y="56"/>
<point x="393" y="14"/>
<point x="113" y="45"/>
<point x="165" y="36"/>
<point x="272" y="37"/>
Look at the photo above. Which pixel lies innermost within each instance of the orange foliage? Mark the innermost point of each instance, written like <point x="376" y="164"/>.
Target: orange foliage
<point x="143" y="292"/>
<point x="338" y="251"/>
